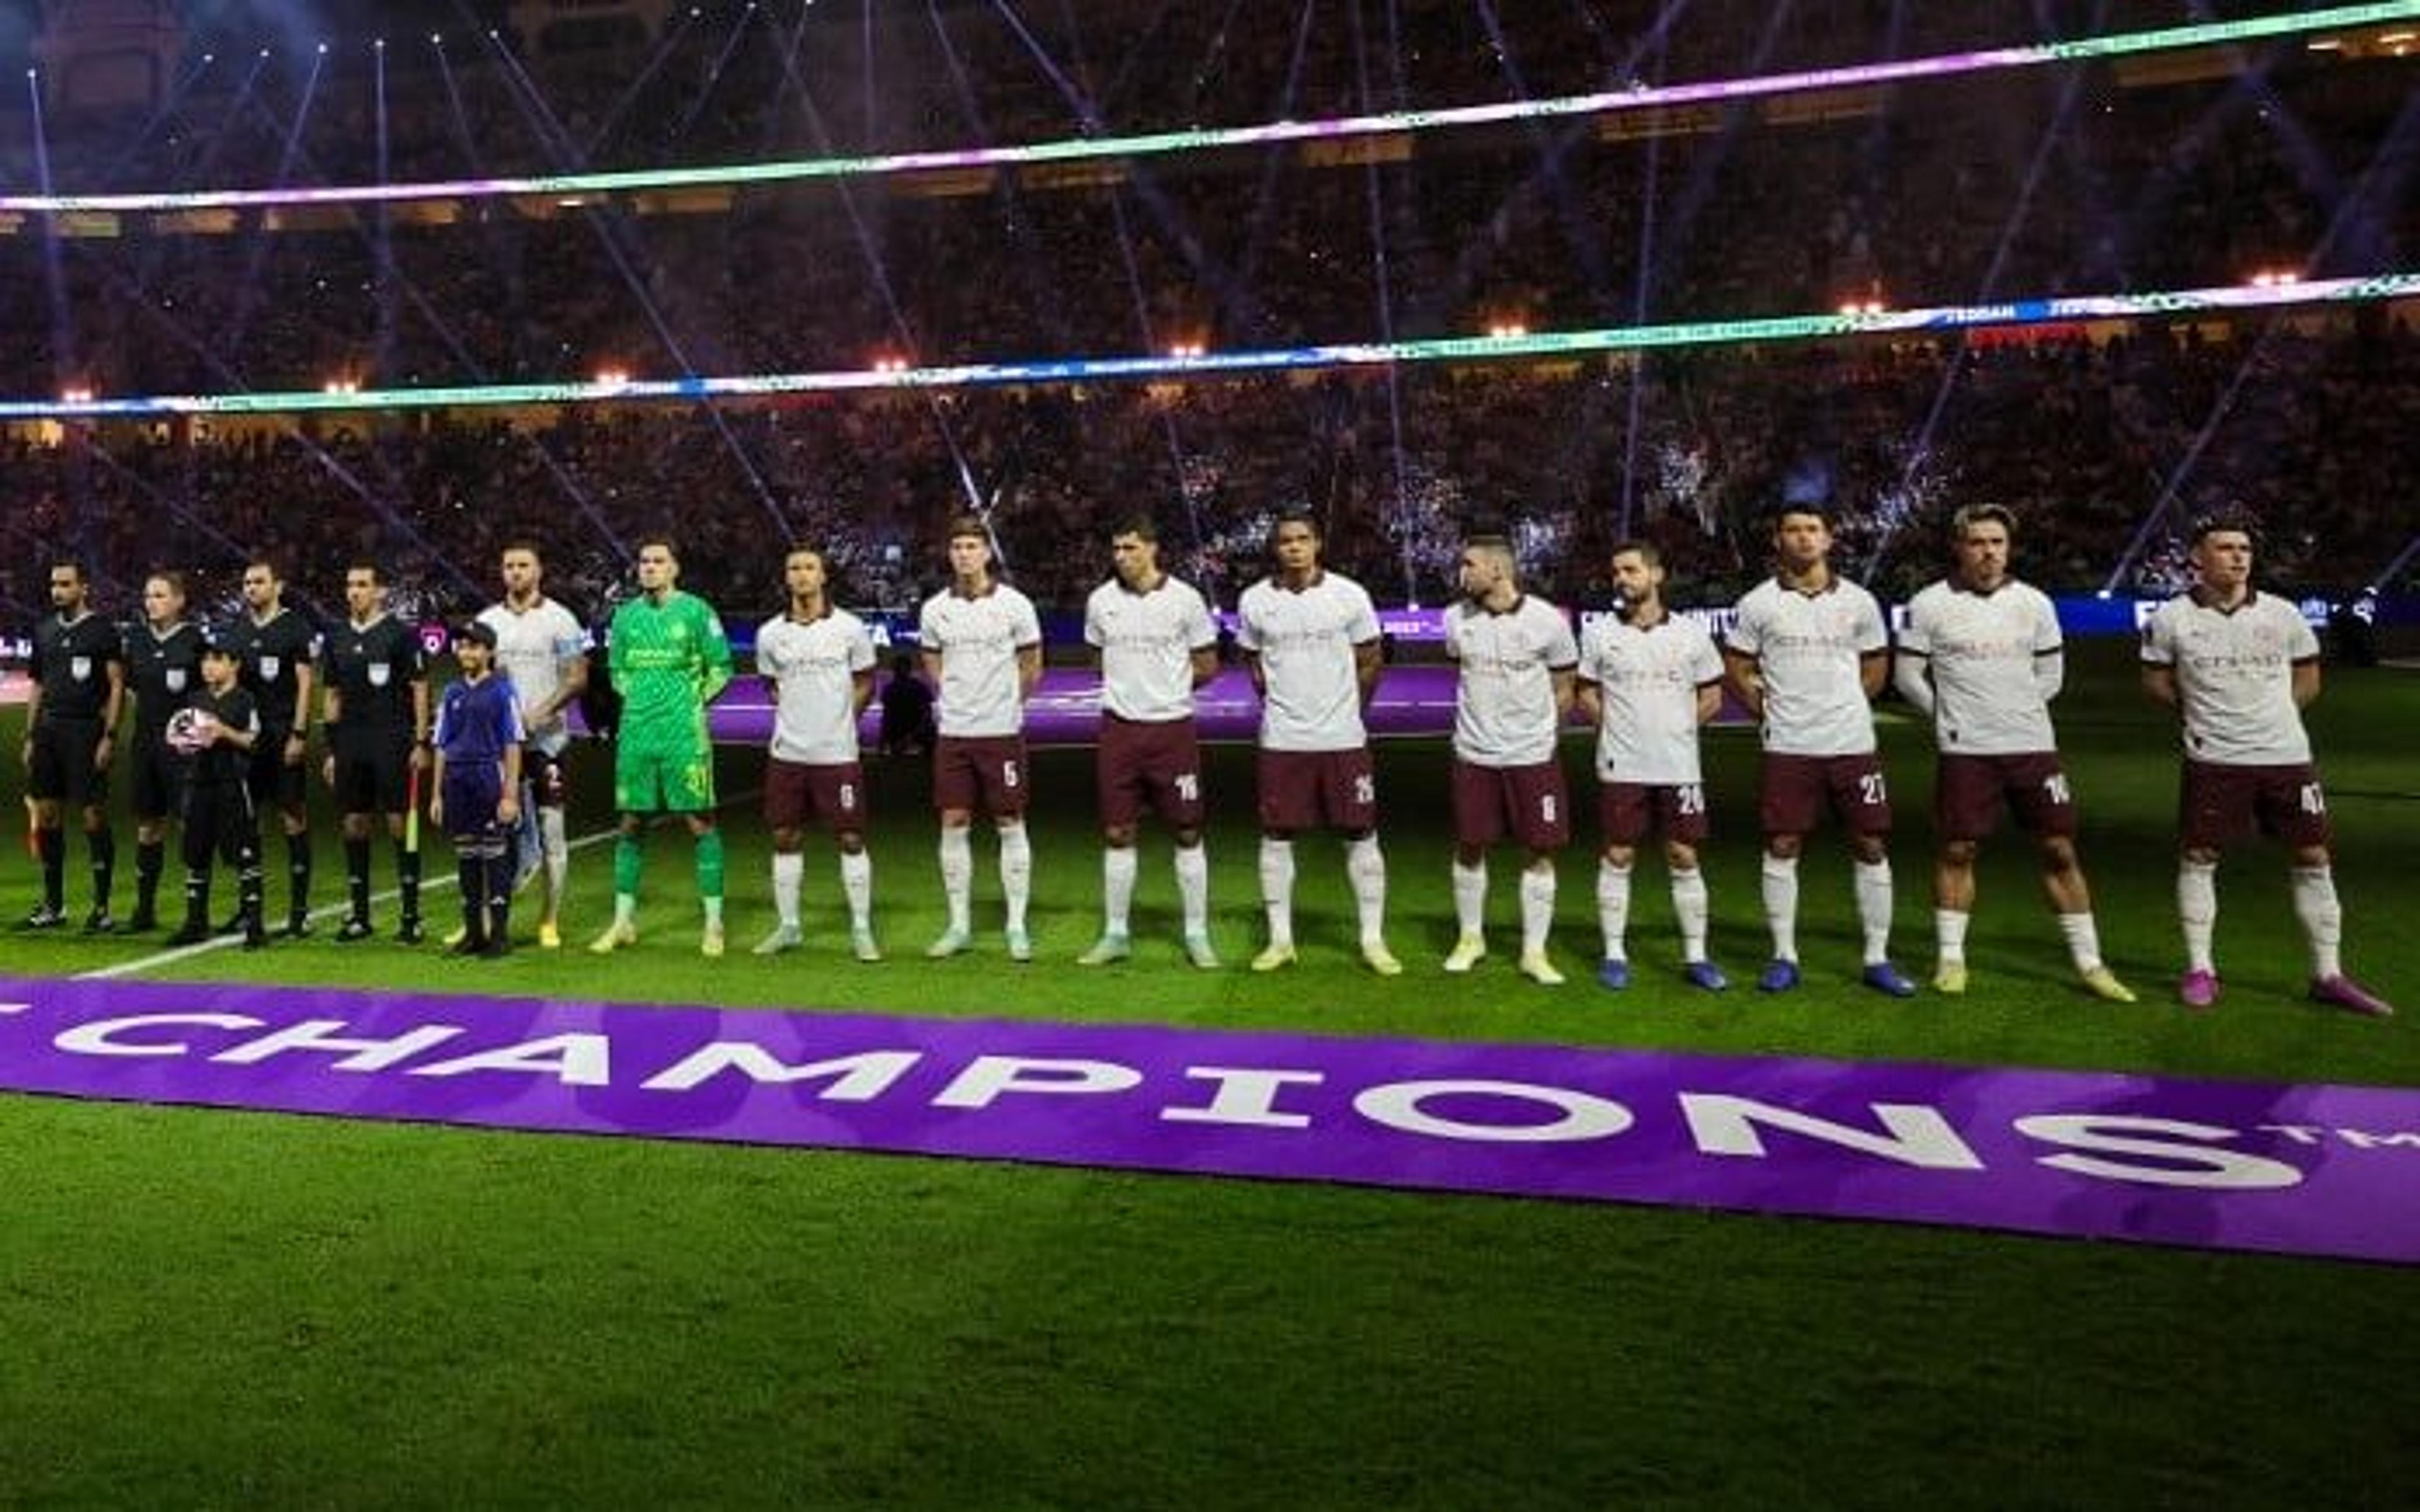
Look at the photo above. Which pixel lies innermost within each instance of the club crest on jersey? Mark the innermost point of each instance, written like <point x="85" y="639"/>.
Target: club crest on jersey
<point x="269" y="668"/>
<point x="79" y="668"/>
<point x="379" y="674"/>
<point x="175" y="677"/>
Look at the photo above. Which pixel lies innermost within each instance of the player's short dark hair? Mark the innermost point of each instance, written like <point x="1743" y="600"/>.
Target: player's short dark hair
<point x="268" y="565"/>
<point x="378" y="577"/>
<point x="1296" y="514"/>
<point x="531" y="547"/>
<point x="74" y="564"/>
<point x="2236" y="521"/>
<point x="962" y="526"/>
<point x="173" y="577"/>
<point x="1820" y="511"/>
<point x="1141" y="526"/>
<point x="657" y="539"/>
<point x="1972" y="514"/>
<point x="1648" y="551"/>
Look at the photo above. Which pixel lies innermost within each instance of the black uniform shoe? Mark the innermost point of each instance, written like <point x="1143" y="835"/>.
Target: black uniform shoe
<point x="354" y="929"/>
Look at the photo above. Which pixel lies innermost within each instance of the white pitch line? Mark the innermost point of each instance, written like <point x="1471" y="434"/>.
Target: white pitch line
<point x="435" y="884"/>
<point x="221" y="942"/>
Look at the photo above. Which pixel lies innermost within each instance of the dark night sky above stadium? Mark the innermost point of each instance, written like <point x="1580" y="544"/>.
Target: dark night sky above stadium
<point x="268" y="20"/>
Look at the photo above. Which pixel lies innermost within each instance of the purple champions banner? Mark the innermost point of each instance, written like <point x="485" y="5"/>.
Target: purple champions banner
<point x="2309" y="1170"/>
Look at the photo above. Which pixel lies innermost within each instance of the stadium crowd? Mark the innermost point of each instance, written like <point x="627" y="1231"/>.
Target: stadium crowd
<point x="2317" y="431"/>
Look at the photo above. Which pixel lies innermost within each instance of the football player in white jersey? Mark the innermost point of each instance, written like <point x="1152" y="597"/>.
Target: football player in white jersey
<point x="816" y="660"/>
<point x="1983" y="657"/>
<point x="1806" y="653"/>
<point x="981" y="642"/>
<point x="1157" y="644"/>
<point x="1648" y="680"/>
<point x="1514" y="658"/>
<point x="1310" y="639"/>
<point x="542" y="650"/>
<point x="2238" y="666"/>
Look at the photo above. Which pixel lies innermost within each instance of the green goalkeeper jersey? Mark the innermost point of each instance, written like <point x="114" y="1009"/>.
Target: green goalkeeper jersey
<point x="669" y="662"/>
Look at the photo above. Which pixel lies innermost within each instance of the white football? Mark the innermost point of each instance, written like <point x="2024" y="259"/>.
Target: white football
<point x="190" y="729"/>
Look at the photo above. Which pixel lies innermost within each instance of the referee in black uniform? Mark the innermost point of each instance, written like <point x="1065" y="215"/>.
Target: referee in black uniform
<point x="277" y="654"/>
<point x="377" y="717"/>
<point x="71" y="730"/>
<point x="163" y="672"/>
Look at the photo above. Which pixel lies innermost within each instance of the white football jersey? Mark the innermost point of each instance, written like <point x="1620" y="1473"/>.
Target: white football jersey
<point x="1648" y="678"/>
<point x="1305" y="639"/>
<point x="1504" y="684"/>
<point x="977" y="639"/>
<point x="1986" y="652"/>
<point x="1147" y="642"/>
<point x="1809" y="649"/>
<point x="812" y="666"/>
<point x="531" y="645"/>
<point x="2235" y="677"/>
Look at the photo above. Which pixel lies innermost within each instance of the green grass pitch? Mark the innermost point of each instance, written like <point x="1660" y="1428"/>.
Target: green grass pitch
<point x="206" y="1308"/>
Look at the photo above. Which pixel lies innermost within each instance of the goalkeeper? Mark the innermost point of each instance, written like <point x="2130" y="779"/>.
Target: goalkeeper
<point x="217" y="732"/>
<point x="669" y="660"/>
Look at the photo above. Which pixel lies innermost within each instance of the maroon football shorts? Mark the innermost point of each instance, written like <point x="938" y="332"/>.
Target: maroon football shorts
<point x="1631" y="811"/>
<point x="1154" y="767"/>
<point x="797" y="793"/>
<point x="980" y="774"/>
<point x="1529" y="803"/>
<point x="2218" y="804"/>
<point x="1799" y="789"/>
<point x="1968" y="794"/>
<point x="1318" y="789"/>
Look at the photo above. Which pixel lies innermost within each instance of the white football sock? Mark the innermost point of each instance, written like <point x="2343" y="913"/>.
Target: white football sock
<point x="1470" y="898"/>
<point x="1613" y="906"/>
<point x="2198" y="911"/>
<point x="2083" y="940"/>
<point x="1117" y="888"/>
<point x="2323" y="916"/>
<point x="1537" y="907"/>
<point x="1950" y="929"/>
<point x="1367" y="866"/>
<point x="1873" y="886"/>
<point x="1193" y="888"/>
<point x="1016" y="872"/>
<point x="789" y="867"/>
<point x="1277" y="888"/>
<point x="1781" y="904"/>
<point x="856" y="885"/>
<point x="1691" y="907"/>
<point x="957" y="876"/>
